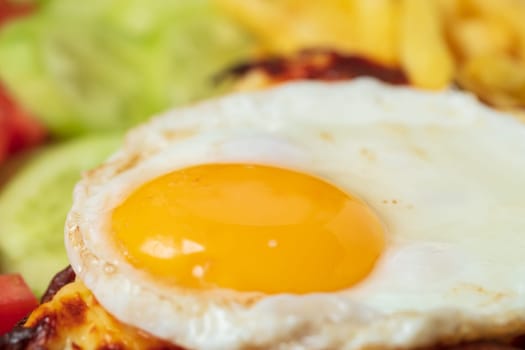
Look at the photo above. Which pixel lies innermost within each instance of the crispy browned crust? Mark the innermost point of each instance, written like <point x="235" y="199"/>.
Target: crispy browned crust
<point x="70" y="316"/>
<point x="62" y="278"/>
<point x="20" y="336"/>
<point x="316" y="64"/>
<point x="483" y="345"/>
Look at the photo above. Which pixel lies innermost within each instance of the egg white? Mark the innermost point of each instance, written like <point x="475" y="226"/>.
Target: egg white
<point x="444" y="174"/>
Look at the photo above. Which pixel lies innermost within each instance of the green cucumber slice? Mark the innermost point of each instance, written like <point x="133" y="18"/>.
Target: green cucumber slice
<point x="34" y="205"/>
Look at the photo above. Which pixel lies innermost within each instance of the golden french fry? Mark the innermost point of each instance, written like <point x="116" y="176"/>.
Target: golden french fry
<point x="451" y="9"/>
<point x="290" y="25"/>
<point x="424" y="36"/>
<point x="424" y="52"/>
<point x="511" y="12"/>
<point x="497" y="79"/>
<point x="322" y="24"/>
<point x="480" y="37"/>
<point x="376" y="29"/>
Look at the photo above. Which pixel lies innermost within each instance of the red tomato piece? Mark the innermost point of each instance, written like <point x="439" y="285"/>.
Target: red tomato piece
<point x="4" y="137"/>
<point x="17" y="129"/>
<point x="16" y="301"/>
<point x="9" y="10"/>
<point x="20" y="130"/>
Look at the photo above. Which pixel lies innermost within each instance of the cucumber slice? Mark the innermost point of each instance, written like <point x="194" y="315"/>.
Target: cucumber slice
<point x="34" y="205"/>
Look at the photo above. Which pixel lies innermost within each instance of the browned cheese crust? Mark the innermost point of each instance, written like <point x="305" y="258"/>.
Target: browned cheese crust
<point x="316" y="64"/>
<point x="70" y="317"/>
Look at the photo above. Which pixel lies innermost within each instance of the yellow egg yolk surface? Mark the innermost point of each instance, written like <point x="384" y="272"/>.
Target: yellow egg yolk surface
<point x="248" y="228"/>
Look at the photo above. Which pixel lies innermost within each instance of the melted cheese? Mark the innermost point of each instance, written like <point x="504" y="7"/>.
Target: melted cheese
<point x="74" y="319"/>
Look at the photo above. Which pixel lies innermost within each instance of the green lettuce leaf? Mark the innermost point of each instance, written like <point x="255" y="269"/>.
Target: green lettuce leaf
<point x="109" y="64"/>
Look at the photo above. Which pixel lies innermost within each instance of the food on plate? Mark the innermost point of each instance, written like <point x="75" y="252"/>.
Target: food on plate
<point x="103" y="68"/>
<point x="34" y="205"/>
<point x="115" y="63"/>
<point x="16" y="301"/>
<point x="478" y="44"/>
<point x="22" y="252"/>
<point x="311" y="215"/>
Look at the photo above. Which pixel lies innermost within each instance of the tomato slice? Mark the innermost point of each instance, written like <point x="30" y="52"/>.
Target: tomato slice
<point x="16" y="301"/>
<point x="20" y="130"/>
<point x="4" y="137"/>
<point x="10" y="10"/>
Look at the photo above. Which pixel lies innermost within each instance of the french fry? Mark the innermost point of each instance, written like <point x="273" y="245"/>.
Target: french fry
<point x="451" y="9"/>
<point x="376" y="32"/>
<point x="497" y="79"/>
<point x="314" y="24"/>
<point x="423" y="50"/>
<point x="290" y="25"/>
<point x="511" y="12"/>
<point x="478" y="43"/>
<point x="473" y="37"/>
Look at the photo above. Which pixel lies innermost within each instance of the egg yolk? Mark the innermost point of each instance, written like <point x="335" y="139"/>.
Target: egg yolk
<point x="248" y="228"/>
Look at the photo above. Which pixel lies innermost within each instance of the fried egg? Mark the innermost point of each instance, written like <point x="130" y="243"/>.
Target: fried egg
<point x="311" y="216"/>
